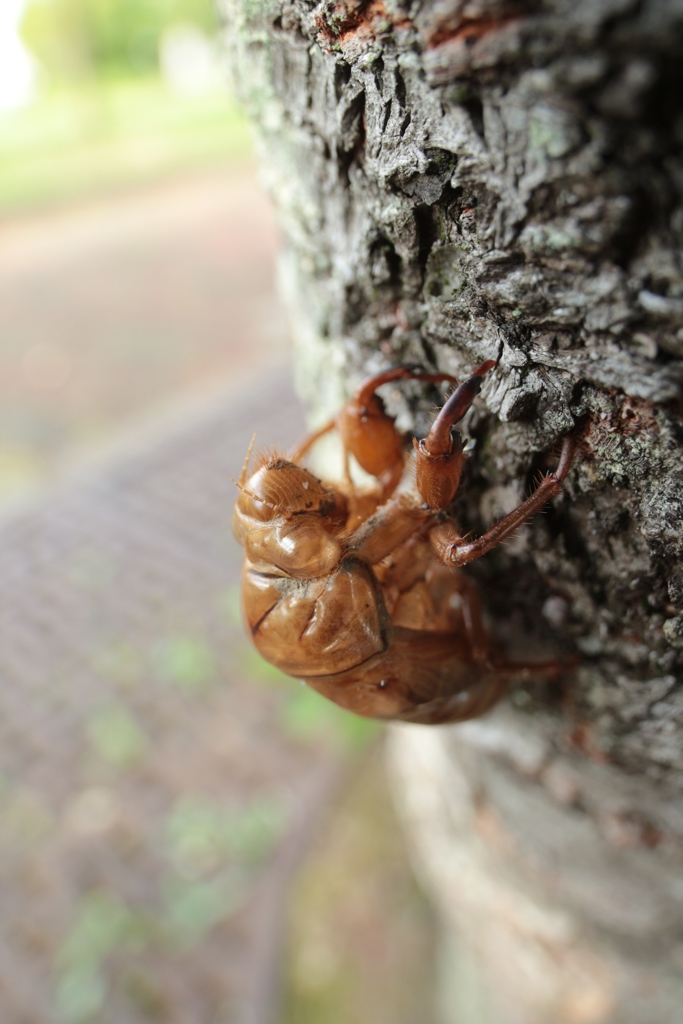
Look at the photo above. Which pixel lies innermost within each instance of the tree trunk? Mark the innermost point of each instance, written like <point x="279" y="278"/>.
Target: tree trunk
<point x="460" y="182"/>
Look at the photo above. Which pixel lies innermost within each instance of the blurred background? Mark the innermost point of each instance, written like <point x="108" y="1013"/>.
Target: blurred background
<point x="186" y="836"/>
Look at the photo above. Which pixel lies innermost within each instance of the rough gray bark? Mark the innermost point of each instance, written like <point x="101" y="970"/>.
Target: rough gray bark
<point x="459" y="182"/>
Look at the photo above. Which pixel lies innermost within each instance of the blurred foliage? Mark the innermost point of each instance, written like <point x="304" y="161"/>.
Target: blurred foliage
<point x="116" y="736"/>
<point x="192" y="907"/>
<point x="215" y="854"/>
<point x="72" y="39"/>
<point x="74" y="141"/>
<point x="186" y="661"/>
<point x="201" y="834"/>
<point x="362" y="937"/>
<point x="103" y="924"/>
<point x="305" y="715"/>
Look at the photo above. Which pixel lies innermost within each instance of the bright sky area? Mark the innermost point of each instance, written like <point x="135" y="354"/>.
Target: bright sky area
<point x="17" y="73"/>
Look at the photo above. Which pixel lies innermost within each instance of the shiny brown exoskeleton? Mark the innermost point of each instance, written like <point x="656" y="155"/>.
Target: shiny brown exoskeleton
<point x="358" y="592"/>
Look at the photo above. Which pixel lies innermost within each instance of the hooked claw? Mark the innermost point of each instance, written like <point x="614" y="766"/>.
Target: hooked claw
<point x="440" y="457"/>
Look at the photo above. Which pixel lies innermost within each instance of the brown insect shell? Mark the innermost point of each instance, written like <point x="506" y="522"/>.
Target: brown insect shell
<point x="437" y="476"/>
<point x="370" y="435"/>
<point x="286" y="518"/>
<point x="279" y="487"/>
<point x="311" y="606"/>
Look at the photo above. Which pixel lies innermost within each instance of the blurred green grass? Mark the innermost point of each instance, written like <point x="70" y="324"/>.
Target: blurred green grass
<point x="306" y="716"/>
<point x="362" y="936"/>
<point x="78" y="141"/>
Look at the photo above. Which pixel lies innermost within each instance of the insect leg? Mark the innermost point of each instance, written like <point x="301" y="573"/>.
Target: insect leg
<point x="439" y="457"/>
<point x="391" y="525"/>
<point x="476" y="631"/>
<point x="311" y="439"/>
<point x="369" y="433"/>
<point x="453" y="550"/>
<point x="438" y="442"/>
<point x="368" y="387"/>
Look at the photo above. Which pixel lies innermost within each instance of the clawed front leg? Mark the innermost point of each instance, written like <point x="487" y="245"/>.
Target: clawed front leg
<point x="454" y="550"/>
<point x="440" y="456"/>
<point x="368" y="432"/>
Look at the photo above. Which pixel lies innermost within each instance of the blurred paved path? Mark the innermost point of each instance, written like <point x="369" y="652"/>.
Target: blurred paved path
<point x="110" y="308"/>
<point x="150" y="786"/>
<point x="158" y="784"/>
